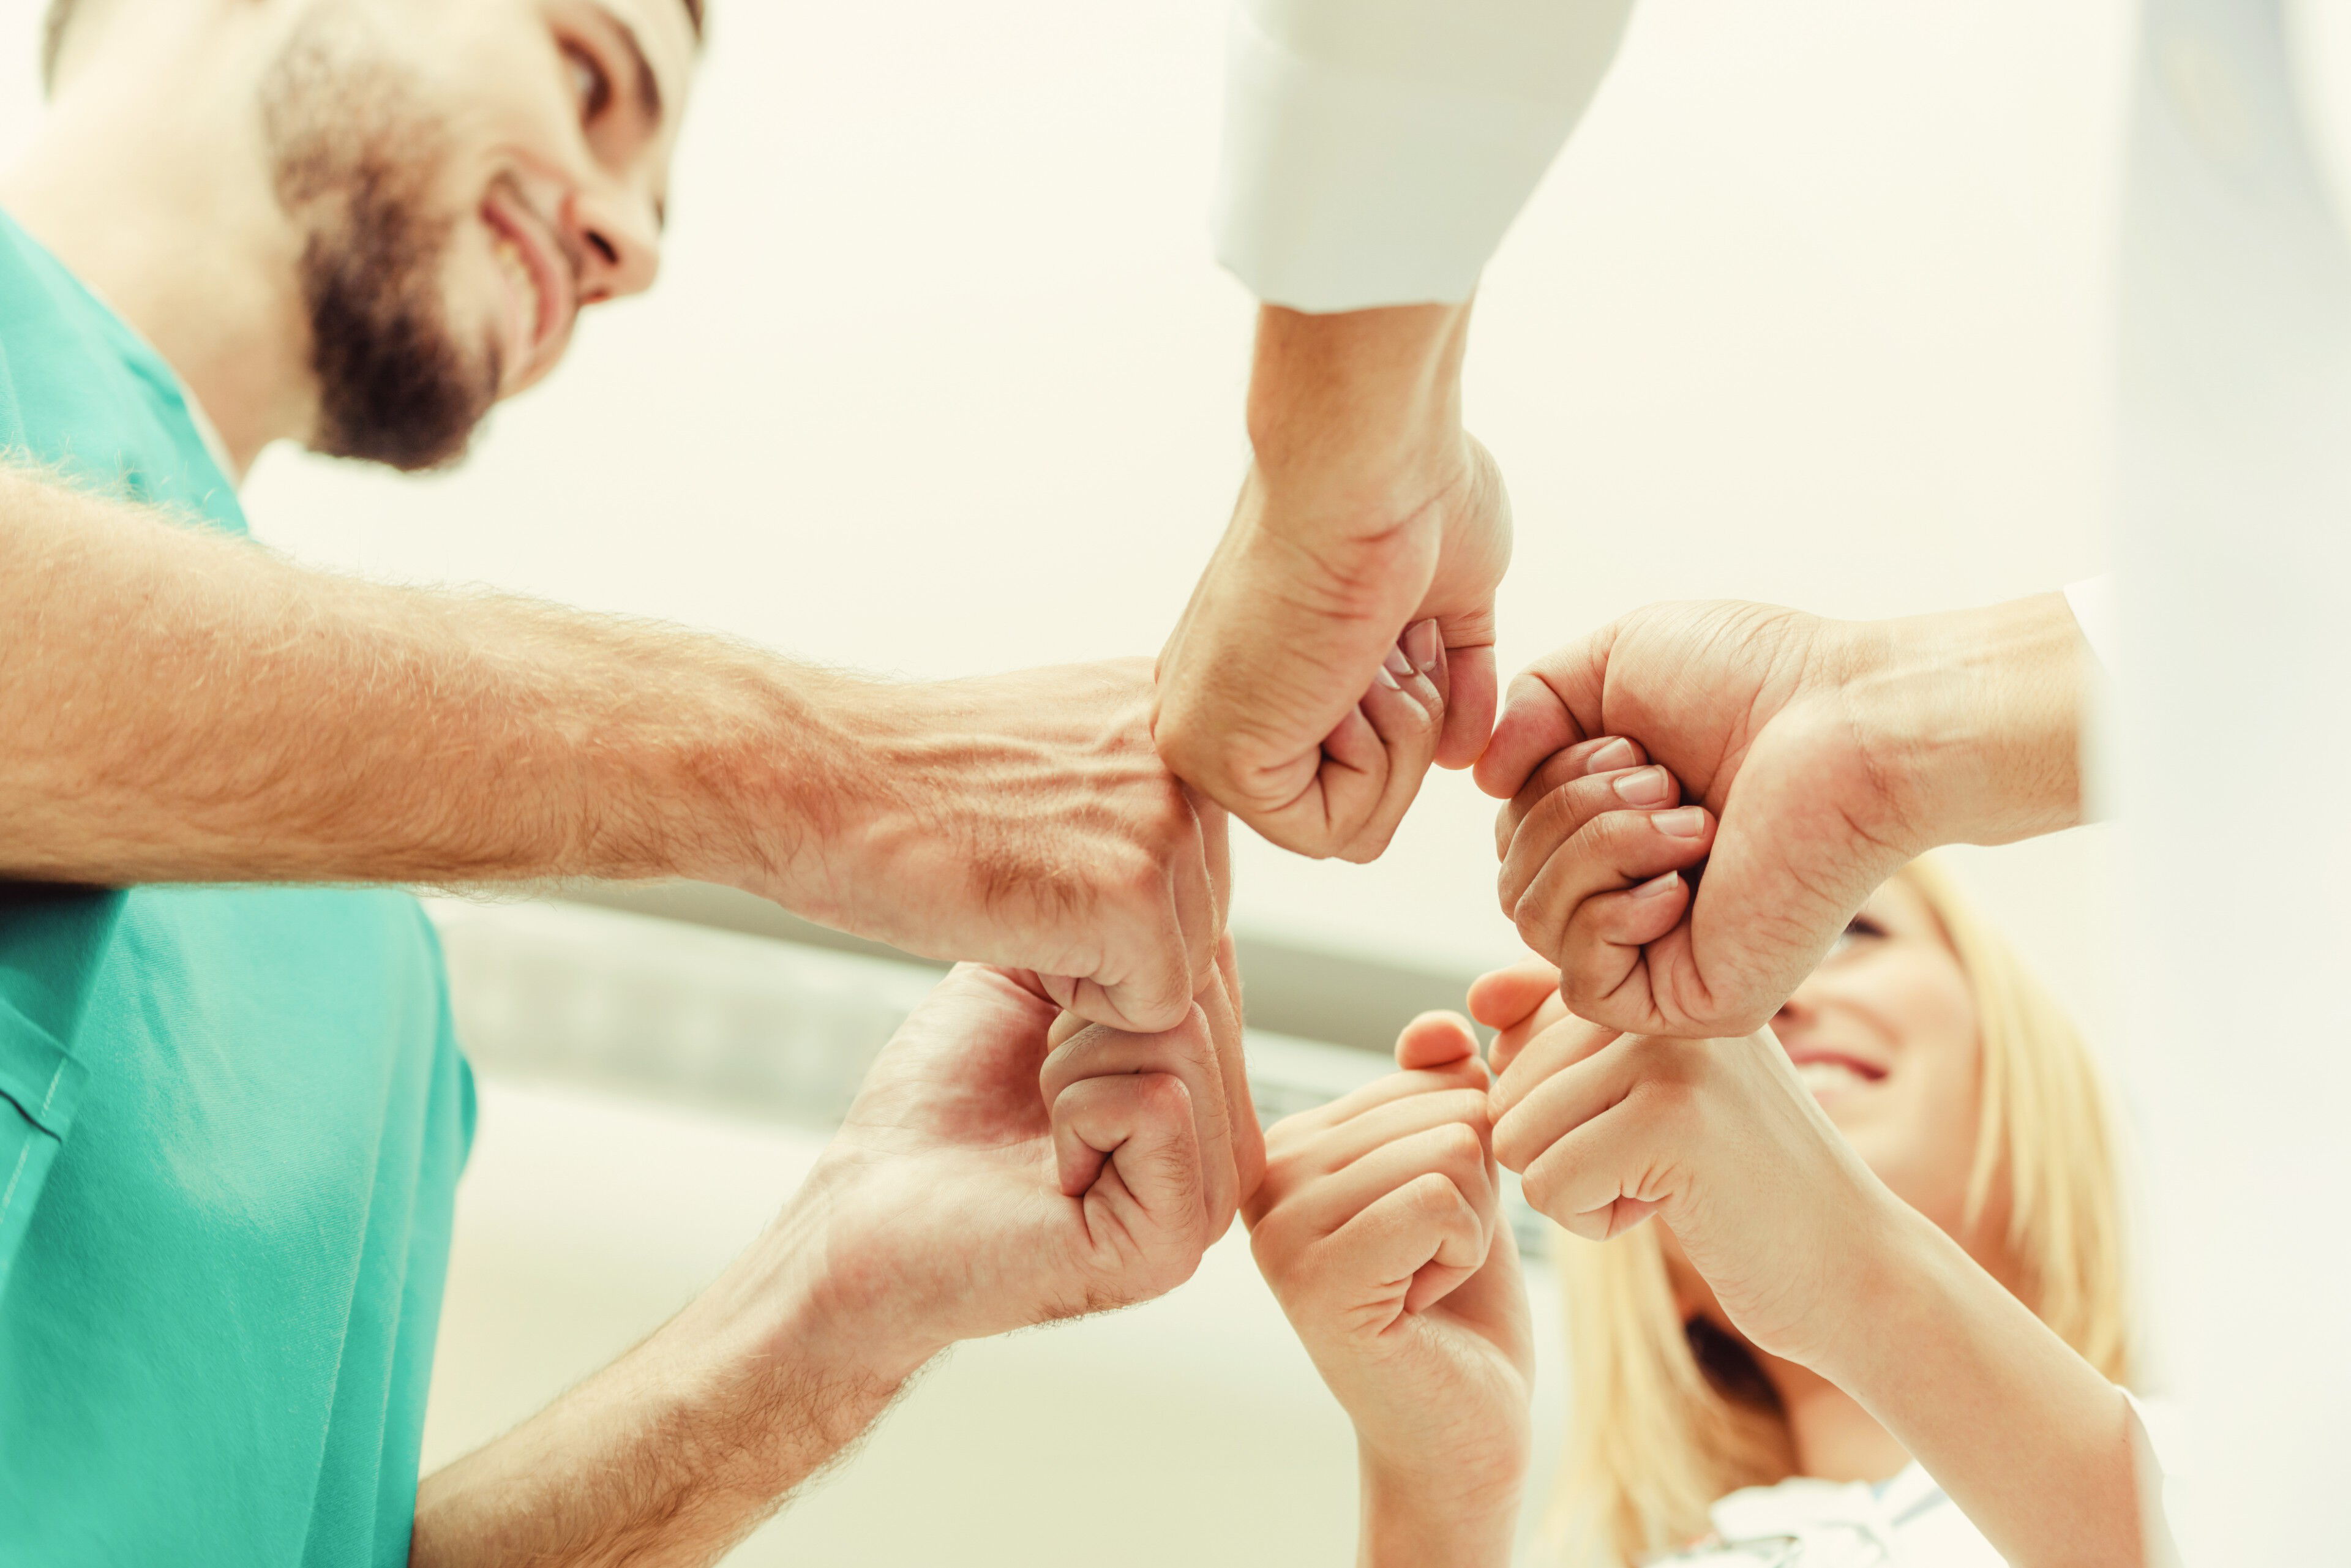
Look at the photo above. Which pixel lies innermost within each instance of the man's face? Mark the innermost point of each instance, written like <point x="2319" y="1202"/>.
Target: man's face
<point x="466" y="176"/>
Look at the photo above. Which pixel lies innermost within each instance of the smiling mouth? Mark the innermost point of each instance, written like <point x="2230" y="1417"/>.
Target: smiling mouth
<point x="1833" y="1075"/>
<point x="531" y="268"/>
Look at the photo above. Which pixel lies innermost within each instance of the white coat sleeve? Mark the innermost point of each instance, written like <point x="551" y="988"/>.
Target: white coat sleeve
<point x="2092" y="600"/>
<point x="1375" y="151"/>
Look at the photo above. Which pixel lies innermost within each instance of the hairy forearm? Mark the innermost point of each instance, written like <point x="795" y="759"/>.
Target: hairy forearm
<point x="672" y="1455"/>
<point x="183" y="706"/>
<point x="2031" y="1441"/>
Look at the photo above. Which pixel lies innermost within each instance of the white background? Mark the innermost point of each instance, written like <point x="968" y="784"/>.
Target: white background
<point x="940" y="379"/>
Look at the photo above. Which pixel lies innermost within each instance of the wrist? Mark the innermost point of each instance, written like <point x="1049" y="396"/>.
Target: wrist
<point x="785" y="767"/>
<point x="1973" y="720"/>
<point x="1413" y="1520"/>
<point x="1354" y="420"/>
<point x="799" y="1310"/>
<point x="1892" y="1262"/>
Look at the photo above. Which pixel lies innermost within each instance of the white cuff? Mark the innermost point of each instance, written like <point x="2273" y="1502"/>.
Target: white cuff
<point x="1374" y="155"/>
<point x="2092" y="602"/>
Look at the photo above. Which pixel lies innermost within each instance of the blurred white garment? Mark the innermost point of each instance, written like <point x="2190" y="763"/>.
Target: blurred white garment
<point x="1905" y="1523"/>
<point x="2233" y="593"/>
<point x="2092" y="599"/>
<point x="1375" y="151"/>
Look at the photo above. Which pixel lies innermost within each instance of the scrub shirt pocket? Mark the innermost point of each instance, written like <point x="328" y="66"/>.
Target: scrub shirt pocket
<point x="39" y="1084"/>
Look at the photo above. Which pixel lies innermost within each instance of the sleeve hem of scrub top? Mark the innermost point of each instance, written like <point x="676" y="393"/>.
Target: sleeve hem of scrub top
<point x="40" y="1083"/>
<point x="2093" y="603"/>
<point x="1342" y="189"/>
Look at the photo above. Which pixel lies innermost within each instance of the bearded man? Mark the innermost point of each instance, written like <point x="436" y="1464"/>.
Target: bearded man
<point x="232" y="1110"/>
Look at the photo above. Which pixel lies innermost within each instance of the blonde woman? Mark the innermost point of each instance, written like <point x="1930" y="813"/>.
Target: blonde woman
<point x="1881" y="1317"/>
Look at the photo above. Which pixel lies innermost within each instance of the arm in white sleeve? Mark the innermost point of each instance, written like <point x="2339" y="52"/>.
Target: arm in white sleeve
<point x="1375" y="151"/>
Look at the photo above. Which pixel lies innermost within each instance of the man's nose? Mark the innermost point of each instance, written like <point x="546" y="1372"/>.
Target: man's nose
<point x="616" y="234"/>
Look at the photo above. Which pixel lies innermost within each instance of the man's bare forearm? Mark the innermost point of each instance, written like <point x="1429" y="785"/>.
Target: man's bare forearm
<point x="185" y="706"/>
<point x="672" y="1455"/>
<point x="181" y="707"/>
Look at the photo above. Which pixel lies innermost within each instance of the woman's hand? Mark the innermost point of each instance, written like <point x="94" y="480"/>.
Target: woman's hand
<point x="1718" y="1138"/>
<point x="1378" y="1225"/>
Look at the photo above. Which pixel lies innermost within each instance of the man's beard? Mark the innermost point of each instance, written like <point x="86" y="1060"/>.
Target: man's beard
<point x="354" y="149"/>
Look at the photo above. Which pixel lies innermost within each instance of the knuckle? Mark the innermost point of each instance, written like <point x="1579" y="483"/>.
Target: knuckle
<point x="1580" y="989"/>
<point x="1470" y="1107"/>
<point x="1541" y="1188"/>
<point x="1516" y="1146"/>
<point x="1432" y="1194"/>
<point x="1135" y="877"/>
<point x="1539" y="928"/>
<point x="1458" y="1143"/>
<point x="1184" y="742"/>
<point x="1669" y="1096"/>
<point x="1162" y="1095"/>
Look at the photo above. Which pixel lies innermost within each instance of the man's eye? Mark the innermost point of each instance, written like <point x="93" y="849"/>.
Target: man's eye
<point x="589" y="85"/>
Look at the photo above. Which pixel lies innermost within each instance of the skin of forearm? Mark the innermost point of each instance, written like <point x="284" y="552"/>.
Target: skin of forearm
<point x="1408" y="1522"/>
<point x="1414" y="1522"/>
<point x="185" y="706"/>
<point x="1975" y="719"/>
<point x="1350" y="416"/>
<point x="2036" y="1446"/>
<point x="671" y="1455"/>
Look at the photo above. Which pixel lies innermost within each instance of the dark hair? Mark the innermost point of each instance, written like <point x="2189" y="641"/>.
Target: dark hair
<point x="60" y="16"/>
<point x="53" y="34"/>
<point x="1730" y="1366"/>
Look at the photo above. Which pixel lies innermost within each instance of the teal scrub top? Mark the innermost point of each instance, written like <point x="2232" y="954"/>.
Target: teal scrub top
<point x="231" y="1125"/>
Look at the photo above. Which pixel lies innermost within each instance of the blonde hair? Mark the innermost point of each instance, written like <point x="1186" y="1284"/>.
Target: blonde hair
<point x="1655" y="1438"/>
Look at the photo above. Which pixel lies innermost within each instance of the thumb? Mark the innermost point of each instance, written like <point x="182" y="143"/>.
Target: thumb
<point x="1435" y="1039"/>
<point x="1470" y="701"/>
<point x="1509" y="996"/>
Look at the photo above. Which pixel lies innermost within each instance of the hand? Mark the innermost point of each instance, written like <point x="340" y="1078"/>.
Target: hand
<point x="986" y="1179"/>
<point x="1830" y="752"/>
<point x="1718" y="1138"/>
<point x="1814" y="1260"/>
<point x="1370" y="534"/>
<point x="1003" y="1164"/>
<point x="1378" y="1228"/>
<point x="1026" y="820"/>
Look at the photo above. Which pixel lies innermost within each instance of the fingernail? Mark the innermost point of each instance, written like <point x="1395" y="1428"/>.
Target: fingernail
<point x="1397" y="664"/>
<point x="1617" y="753"/>
<point x="1687" y="823"/>
<point x="1648" y="787"/>
<point x="1657" y="886"/>
<point x="1420" y="642"/>
<point x="1382" y="676"/>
